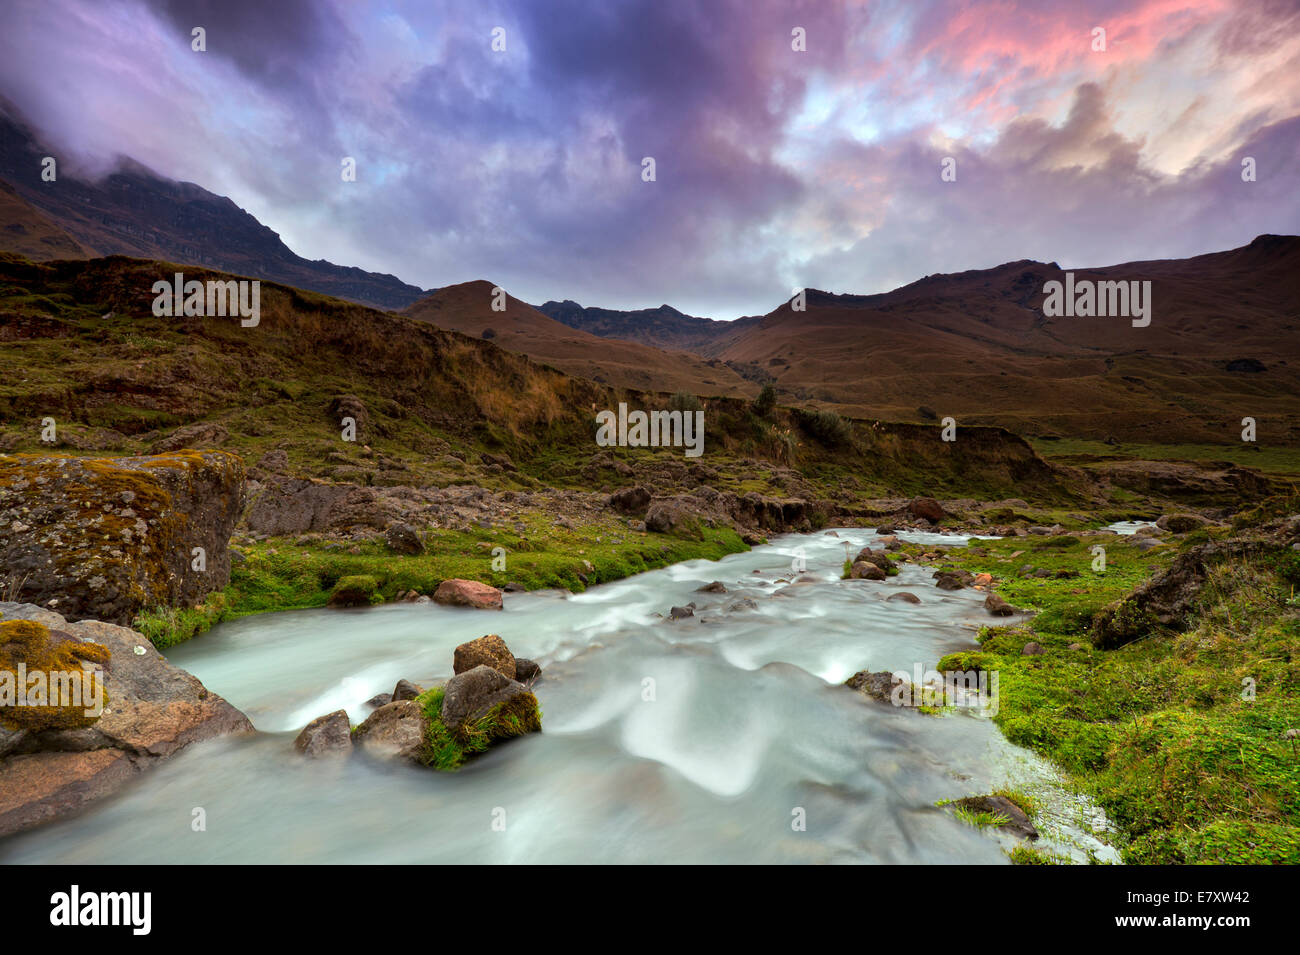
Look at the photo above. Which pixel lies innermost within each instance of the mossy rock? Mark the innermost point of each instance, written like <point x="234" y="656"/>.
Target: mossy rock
<point x="448" y="749"/>
<point x="59" y="658"/>
<point x="357" y="590"/>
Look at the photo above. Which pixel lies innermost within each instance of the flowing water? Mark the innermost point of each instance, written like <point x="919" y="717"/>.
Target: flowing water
<point x="697" y="740"/>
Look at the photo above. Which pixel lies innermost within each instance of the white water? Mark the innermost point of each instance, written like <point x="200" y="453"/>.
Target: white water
<point x="748" y="723"/>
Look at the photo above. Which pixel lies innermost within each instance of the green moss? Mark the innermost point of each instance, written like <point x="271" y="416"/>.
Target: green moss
<point x="1162" y="731"/>
<point x="167" y="626"/>
<point x="446" y="749"/>
<point x="59" y="662"/>
<point x="355" y="590"/>
<point x="1028" y="855"/>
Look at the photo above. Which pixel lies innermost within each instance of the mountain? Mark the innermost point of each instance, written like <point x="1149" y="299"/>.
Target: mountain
<point x="662" y="327"/>
<point x="134" y="211"/>
<point x="1223" y="344"/>
<point x="29" y="232"/>
<point x="467" y="308"/>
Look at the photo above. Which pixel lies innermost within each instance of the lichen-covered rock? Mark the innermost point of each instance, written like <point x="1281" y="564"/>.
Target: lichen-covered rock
<point x="153" y="711"/>
<point x="104" y="538"/>
<point x="489" y="650"/>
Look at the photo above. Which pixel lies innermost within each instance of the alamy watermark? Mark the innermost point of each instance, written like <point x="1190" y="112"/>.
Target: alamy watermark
<point x="653" y="429"/>
<point x="967" y="689"/>
<point x="62" y="689"/>
<point x="242" y="297"/>
<point x="1086" y="298"/>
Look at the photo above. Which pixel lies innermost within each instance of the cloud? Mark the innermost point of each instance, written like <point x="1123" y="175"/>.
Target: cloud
<point x="775" y="168"/>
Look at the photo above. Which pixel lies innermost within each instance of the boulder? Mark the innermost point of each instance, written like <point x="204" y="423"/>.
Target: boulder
<point x="680" y="613"/>
<point x="862" y="570"/>
<point x="1032" y="649"/>
<point x="468" y="593"/>
<point x="350" y="406"/>
<point x="926" y="508"/>
<point x="153" y="711"/>
<point x="490" y="651"/>
<point x="717" y="587"/>
<point x="877" y="557"/>
<point x="405" y="690"/>
<point x="104" y="538"/>
<point x="358" y="590"/>
<point x="403" y="539"/>
<point x="469" y="695"/>
<point x="1017" y="823"/>
<point x="1182" y="523"/>
<point x="395" y="729"/>
<point x="285" y="505"/>
<point x="876" y="686"/>
<point x="526" y="671"/>
<point x="631" y="500"/>
<point x="905" y="597"/>
<point x="200" y="435"/>
<point x="998" y="607"/>
<point x="327" y="735"/>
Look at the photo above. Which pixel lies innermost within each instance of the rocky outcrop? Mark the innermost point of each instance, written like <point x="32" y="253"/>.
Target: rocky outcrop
<point x="1210" y="484"/>
<point x="286" y="505"/>
<point x="926" y="508"/>
<point x="154" y="711"/>
<point x="103" y="538"/>
<point x="747" y="513"/>
<point x="631" y="500"/>
<point x="204" y="434"/>
<point x="468" y="593"/>
<point x="1166" y="600"/>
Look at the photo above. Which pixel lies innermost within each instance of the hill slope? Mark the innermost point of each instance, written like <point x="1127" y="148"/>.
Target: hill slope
<point x="467" y="308"/>
<point x="134" y="211"/>
<point x="1223" y="344"/>
<point x="662" y="327"/>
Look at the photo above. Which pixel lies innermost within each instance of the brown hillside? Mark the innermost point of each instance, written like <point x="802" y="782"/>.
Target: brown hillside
<point x="1223" y="343"/>
<point x="467" y="308"/>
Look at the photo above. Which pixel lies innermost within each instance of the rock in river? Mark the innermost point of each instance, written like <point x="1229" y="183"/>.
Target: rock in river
<point x="152" y="711"/>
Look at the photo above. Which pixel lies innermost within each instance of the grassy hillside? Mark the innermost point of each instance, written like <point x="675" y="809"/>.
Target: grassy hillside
<point x="82" y="346"/>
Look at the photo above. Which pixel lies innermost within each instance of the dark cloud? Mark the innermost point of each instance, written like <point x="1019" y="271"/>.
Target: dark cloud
<point x="774" y="168"/>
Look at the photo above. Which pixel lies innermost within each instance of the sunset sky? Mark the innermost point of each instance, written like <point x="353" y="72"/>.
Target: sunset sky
<point x="775" y="168"/>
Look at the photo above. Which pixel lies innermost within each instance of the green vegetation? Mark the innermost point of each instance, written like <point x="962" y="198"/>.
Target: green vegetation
<point x="447" y="749"/>
<point x="1180" y="737"/>
<point x="1028" y="855"/>
<point x="980" y="819"/>
<point x="280" y="574"/>
<point x="1279" y="461"/>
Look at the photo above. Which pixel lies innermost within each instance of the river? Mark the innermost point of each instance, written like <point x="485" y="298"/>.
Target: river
<point x="701" y="740"/>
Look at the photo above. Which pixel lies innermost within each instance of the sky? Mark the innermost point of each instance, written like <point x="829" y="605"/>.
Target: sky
<point x="776" y="168"/>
